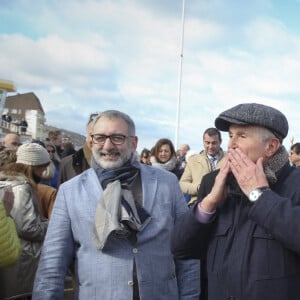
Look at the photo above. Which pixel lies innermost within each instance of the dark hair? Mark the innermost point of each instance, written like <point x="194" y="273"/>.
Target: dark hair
<point x="69" y="148"/>
<point x="54" y="134"/>
<point x="145" y="152"/>
<point x="159" y="144"/>
<point x="38" y="142"/>
<point x="296" y="148"/>
<point x="213" y="131"/>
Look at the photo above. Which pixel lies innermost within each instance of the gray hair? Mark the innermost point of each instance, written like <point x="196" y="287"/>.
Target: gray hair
<point x="265" y="133"/>
<point x="115" y="114"/>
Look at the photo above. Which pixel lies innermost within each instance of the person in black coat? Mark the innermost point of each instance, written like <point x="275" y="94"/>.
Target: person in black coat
<point x="245" y="225"/>
<point x="76" y="163"/>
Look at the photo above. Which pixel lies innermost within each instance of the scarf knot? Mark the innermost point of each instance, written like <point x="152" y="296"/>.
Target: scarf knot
<point x="125" y="175"/>
<point x="117" y="212"/>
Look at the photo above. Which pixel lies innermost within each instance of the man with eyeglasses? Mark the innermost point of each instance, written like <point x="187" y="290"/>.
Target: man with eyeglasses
<point x="116" y="219"/>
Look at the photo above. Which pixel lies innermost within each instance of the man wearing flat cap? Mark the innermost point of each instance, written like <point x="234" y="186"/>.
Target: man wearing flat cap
<point x="245" y="227"/>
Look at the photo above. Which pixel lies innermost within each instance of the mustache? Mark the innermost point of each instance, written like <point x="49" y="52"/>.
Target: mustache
<point x="109" y="152"/>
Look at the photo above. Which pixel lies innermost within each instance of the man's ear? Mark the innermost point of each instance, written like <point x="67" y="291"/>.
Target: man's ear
<point x="134" y="143"/>
<point x="272" y="147"/>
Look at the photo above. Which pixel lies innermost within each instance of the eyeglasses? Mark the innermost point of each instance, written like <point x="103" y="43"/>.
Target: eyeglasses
<point x="116" y="139"/>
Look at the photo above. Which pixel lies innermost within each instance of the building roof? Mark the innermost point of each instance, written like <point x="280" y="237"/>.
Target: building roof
<point x="27" y="101"/>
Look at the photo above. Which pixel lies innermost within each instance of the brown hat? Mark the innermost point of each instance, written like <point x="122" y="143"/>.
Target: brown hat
<point x="32" y="154"/>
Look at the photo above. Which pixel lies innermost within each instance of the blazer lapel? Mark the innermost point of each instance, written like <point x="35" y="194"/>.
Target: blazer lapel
<point x="92" y="186"/>
<point x="149" y="186"/>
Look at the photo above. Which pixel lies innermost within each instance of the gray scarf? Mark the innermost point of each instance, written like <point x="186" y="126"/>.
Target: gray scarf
<point x="273" y="165"/>
<point x="117" y="212"/>
<point x="169" y="165"/>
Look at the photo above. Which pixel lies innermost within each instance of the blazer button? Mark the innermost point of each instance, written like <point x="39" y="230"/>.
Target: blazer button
<point x="135" y="250"/>
<point x="130" y="282"/>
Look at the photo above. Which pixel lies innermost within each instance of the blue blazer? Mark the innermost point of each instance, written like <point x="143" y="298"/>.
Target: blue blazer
<point x="107" y="274"/>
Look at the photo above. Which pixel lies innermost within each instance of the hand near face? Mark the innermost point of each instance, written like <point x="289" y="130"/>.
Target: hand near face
<point x="249" y="175"/>
<point x="218" y="192"/>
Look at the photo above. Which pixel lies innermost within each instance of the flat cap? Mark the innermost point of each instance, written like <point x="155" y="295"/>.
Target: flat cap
<point x="254" y="114"/>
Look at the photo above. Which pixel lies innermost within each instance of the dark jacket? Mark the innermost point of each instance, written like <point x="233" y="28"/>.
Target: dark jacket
<point x="252" y="250"/>
<point x="74" y="164"/>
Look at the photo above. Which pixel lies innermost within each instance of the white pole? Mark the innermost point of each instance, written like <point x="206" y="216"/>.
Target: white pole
<point x="180" y="76"/>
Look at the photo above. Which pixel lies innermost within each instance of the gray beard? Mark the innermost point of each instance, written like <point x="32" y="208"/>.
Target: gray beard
<point x="122" y="159"/>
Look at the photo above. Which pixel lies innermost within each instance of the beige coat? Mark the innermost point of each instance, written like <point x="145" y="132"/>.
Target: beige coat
<point x="46" y="197"/>
<point x="195" y="169"/>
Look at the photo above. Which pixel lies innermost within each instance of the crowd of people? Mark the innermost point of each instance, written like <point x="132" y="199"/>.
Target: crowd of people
<point x="164" y="223"/>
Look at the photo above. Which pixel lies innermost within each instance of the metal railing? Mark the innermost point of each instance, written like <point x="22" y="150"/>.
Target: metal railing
<point x="13" y="127"/>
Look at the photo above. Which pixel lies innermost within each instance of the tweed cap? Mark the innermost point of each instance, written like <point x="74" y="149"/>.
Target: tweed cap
<point x="32" y="154"/>
<point x="254" y="114"/>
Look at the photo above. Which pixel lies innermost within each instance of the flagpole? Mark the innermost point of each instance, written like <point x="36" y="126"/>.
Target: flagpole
<point x="180" y="76"/>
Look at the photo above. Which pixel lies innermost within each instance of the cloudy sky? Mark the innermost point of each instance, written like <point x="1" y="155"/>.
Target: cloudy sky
<point x="80" y="57"/>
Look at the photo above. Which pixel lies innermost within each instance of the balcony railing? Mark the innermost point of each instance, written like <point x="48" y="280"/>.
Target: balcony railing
<point x="13" y="127"/>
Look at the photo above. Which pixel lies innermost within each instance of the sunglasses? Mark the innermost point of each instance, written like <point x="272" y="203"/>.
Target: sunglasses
<point x="51" y="151"/>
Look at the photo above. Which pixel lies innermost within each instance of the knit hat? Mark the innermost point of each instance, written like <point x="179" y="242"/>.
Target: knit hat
<point x="32" y="154"/>
<point x="254" y="114"/>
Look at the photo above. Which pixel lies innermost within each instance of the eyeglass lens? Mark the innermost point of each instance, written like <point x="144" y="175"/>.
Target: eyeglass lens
<point x="116" y="139"/>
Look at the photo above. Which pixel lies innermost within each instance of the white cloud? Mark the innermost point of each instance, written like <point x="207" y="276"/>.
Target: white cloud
<point x="87" y="56"/>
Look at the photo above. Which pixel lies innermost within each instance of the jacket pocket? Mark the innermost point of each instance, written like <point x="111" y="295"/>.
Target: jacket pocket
<point x="271" y="259"/>
<point x="260" y="233"/>
<point x="216" y="251"/>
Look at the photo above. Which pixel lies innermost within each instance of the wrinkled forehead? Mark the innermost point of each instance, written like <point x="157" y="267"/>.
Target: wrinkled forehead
<point x="246" y="127"/>
<point x="250" y="129"/>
